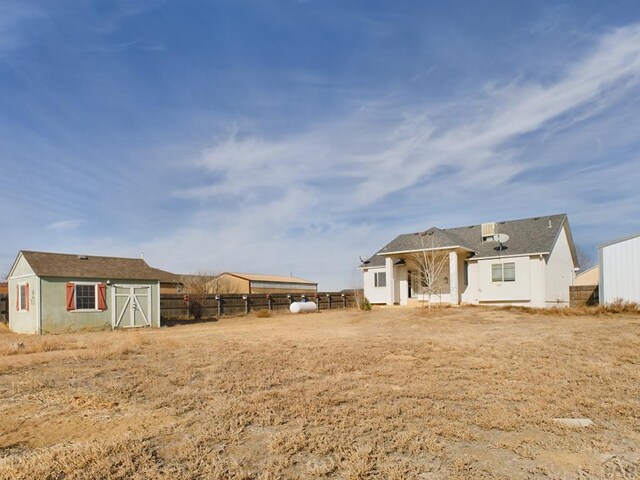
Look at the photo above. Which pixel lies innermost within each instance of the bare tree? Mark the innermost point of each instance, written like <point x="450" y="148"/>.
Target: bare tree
<point x="206" y="283"/>
<point x="362" y="303"/>
<point x="584" y="258"/>
<point x="219" y="285"/>
<point x="201" y="285"/>
<point x="429" y="267"/>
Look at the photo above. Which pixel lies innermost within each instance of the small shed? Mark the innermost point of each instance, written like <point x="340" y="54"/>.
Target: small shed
<point x="234" y="282"/>
<point x="56" y="292"/>
<point x="619" y="262"/>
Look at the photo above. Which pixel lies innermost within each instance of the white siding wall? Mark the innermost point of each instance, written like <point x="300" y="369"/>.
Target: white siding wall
<point x="21" y="321"/>
<point x="402" y="278"/>
<point x="518" y="291"/>
<point x="560" y="273"/>
<point x="374" y="294"/>
<point x="620" y="271"/>
<point x="528" y="289"/>
<point x="470" y="292"/>
<point x="538" y="265"/>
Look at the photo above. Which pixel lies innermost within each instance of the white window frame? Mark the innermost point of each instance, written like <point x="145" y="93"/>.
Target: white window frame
<point x="376" y="279"/>
<point x="95" y="297"/>
<point x="502" y="279"/>
<point x="22" y="296"/>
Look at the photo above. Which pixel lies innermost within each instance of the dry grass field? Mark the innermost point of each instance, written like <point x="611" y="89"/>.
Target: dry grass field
<point x="394" y="393"/>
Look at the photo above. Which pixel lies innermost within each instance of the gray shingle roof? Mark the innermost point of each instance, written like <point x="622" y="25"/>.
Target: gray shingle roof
<point x="526" y="236"/>
<point x="66" y="265"/>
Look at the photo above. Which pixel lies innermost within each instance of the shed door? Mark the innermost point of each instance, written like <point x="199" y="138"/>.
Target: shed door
<point x="132" y="306"/>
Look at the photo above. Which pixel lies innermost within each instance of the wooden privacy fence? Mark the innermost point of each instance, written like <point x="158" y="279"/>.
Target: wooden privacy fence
<point x="175" y="306"/>
<point x="582" y="295"/>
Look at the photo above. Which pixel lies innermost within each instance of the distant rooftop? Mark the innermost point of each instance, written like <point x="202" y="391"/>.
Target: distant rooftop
<point x="269" y="278"/>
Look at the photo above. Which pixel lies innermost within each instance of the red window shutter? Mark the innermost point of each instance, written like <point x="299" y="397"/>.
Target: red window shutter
<point x="71" y="301"/>
<point x="26" y="294"/>
<point x="102" y="296"/>
<point x="17" y="297"/>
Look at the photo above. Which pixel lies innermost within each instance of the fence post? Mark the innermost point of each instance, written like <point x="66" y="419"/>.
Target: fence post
<point x="269" y="301"/>
<point x="290" y="298"/>
<point x="329" y="300"/>
<point x="219" y="301"/>
<point x="344" y="301"/>
<point x="246" y="303"/>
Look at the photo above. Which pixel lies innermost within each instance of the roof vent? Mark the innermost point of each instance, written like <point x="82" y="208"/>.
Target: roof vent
<point x="488" y="231"/>
<point x="83" y="257"/>
<point x="549" y="226"/>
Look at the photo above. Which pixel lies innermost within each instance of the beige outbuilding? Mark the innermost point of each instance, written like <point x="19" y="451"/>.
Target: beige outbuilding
<point x="234" y="282"/>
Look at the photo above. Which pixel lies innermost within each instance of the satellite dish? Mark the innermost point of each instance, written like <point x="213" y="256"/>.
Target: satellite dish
<point x="501" y="237"/>
<point x="363" y="258"/>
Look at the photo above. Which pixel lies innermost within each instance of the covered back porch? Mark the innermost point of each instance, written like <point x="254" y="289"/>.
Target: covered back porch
<point x="430" y="275"/>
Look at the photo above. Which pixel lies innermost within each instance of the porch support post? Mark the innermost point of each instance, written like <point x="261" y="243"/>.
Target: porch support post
<point x="391" y="281"/>
<point x="453" y="279"/>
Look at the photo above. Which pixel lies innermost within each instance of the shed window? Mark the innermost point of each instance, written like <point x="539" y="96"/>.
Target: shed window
<point x="503" y="272"/>
<point x="380" y="279"/>
<point x="86" y="296"/>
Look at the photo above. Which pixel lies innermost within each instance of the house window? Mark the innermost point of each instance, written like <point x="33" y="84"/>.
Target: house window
<point x="22" y="302"/>
<point x="466" y="273"/>
<point x="503" y="272"/>
<point x="86" y="296"/>
<point x="380" y="279"/>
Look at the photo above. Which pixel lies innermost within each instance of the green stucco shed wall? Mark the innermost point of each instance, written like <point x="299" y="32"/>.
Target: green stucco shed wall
<point x="57" y="319"/>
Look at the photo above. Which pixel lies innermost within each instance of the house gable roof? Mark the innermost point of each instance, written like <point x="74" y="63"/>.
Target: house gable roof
<point x="526" y="236"/>
<point x="65" y="265"/>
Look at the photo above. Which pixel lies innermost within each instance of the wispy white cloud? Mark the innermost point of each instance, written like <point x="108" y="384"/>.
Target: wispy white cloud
<point x="137" y="44"/>
<point x="317" y="181"/>
<point x="65" y="225"/>
<point x="390" y="148"/>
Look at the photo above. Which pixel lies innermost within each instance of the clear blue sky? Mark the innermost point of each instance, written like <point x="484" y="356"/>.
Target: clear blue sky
<point x="293" y="136"/>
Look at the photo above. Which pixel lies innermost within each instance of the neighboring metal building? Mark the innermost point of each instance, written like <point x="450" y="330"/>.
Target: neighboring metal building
<point x="55" y="292"/>
<point x="620" y="270"/>
<point x="233" y="282"/>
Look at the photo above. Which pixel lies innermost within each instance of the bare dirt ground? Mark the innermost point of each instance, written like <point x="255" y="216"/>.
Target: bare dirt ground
<point x="395" y="393"/>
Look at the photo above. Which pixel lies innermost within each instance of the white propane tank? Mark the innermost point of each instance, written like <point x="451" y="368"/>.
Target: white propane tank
<point x="302" y="307"/>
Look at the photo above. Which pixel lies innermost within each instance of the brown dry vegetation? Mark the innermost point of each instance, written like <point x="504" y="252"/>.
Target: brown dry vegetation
<point x="395" y="393"/>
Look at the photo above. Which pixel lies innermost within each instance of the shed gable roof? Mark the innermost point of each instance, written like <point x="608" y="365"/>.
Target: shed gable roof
<point x="526" y="236"/>
<point x="46" y="264"/>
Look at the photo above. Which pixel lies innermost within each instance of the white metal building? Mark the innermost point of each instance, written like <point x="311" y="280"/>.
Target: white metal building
<point x="620" y="270"/>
